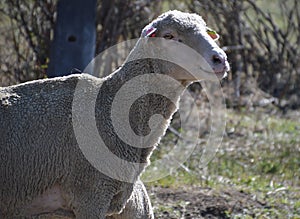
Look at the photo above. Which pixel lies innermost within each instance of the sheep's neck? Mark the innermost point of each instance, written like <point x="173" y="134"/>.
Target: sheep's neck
<point x="141" y="110"/>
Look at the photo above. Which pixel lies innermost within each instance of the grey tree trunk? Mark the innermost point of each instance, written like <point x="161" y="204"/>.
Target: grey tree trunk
<point x="74" y="40"/>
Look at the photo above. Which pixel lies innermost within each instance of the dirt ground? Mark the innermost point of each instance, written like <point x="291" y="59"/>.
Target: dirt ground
<point x="190" y="203"/>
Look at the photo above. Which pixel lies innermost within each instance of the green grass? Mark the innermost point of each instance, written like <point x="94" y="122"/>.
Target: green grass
<point x="261" y="156"/>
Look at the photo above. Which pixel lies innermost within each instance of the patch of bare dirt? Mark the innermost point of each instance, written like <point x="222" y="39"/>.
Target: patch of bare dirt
<point x="192" y="203"/>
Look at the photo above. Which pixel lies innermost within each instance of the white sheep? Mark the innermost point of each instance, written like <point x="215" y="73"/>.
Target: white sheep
<point x="42" y="168"/>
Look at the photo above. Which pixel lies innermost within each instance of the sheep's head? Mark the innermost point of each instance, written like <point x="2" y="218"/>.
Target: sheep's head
<point x="191" y="30"/>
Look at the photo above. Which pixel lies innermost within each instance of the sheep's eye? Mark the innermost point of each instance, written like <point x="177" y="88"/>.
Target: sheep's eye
<point x="168" y="36"/>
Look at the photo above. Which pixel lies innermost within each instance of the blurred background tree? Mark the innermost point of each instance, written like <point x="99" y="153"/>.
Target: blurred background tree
<point x="261" y="38"/>
<point x="73" y="44"/>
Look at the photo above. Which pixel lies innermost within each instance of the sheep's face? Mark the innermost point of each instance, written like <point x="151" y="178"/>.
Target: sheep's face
<point x="190" y="29"/>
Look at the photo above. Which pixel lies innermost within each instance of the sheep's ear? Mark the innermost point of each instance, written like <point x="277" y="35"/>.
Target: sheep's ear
<point x="213" y="34"/>
<point x="149" y="32"/>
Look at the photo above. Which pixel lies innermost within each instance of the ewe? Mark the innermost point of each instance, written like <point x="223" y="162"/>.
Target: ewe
<point x="42" y="167"/>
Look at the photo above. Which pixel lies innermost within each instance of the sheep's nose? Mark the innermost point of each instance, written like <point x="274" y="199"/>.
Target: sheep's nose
<point x="218" y="58"/>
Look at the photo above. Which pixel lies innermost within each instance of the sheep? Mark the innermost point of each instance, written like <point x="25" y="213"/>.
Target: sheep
<point x="42" y="167"/>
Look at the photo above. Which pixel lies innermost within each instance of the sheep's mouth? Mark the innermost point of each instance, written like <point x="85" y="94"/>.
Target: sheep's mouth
<point x="221" y="74"/>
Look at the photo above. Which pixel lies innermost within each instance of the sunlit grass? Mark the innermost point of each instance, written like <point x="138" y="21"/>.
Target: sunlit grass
<point x="260" y="155"/>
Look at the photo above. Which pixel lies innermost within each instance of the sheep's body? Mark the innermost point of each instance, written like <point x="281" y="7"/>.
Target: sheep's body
<point x="39" y="151"/>
<point x="40" y="140"/>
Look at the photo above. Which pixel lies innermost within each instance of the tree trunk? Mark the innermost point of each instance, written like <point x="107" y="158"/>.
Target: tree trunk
<point x="74" y="40"/>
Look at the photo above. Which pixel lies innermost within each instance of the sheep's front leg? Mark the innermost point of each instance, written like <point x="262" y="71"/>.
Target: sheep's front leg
<point x="138" y="206"/>
<point x="91" y="208"/>
<point x="91" y="202"/>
